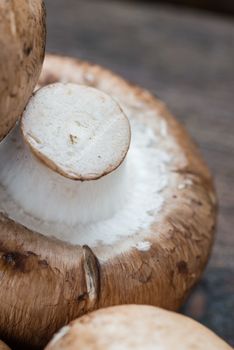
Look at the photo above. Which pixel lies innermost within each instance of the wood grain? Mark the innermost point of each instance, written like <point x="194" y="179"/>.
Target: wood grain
<point x="186" y="58"/>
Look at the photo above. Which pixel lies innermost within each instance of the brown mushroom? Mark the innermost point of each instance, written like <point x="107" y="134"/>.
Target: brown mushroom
<point x="3" y="346"/>
<point x="135" y="327"/>
<point x="145" y="232"/>
<point x="22" y="42"/>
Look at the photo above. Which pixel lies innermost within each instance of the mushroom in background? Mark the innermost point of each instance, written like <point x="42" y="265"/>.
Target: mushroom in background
<point x="87" y="221"/>
<point x="132" y="327"/>
<point x="3" y="346"/>
<point x="22" y="43"/>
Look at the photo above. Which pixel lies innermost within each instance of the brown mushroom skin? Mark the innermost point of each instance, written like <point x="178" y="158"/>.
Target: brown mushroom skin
<point x="22" y="43"/>
<point x="3" y="346"/>
<point x="47" y="283"/>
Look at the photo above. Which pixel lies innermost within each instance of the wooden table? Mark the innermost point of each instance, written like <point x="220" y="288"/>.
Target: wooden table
<point x="187" y="59"/>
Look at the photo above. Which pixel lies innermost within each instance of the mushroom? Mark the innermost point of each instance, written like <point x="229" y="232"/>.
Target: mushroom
<point x="22" y="42"/>
<point x="3" y="346"/>
<point x="87" y="221"/>
<point x="135" y="327"/>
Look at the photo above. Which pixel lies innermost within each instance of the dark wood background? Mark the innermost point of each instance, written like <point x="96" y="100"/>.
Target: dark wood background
<point x="225" y="6"/>
<point x="187" y="58"/>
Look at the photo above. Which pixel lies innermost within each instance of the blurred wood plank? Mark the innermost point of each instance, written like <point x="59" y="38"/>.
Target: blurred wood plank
<point x="187" y="59"/>
<point x="224" y="6"/>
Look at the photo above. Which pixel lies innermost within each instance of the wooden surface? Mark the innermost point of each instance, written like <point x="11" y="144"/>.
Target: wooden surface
<point x="187" y="59"/>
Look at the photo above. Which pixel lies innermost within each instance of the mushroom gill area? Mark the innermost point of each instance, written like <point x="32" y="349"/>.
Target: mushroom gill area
<point x="120" y="203"/>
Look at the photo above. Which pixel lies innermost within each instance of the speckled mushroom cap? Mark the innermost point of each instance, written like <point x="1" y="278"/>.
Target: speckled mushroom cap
<point x="22" y="43"/>
<point x="132" y="327"/>
<point x="151" y="252"/>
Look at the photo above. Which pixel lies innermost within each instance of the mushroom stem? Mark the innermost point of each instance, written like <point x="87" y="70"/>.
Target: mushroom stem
<point x="86" y="191"/>
<point x="66" y="183"/>
<point x="51" y="197"/>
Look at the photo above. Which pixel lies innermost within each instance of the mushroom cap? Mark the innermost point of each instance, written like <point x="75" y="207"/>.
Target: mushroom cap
<point x="3" y="346"/>
<point x="157" y="264"/>
<point x="22" y="42"/>
<point x="129" y="327"/>
<point x="78" y="131"/>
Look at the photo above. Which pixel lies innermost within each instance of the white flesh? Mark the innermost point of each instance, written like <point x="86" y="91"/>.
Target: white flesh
<point x="119" y="204"/>
<point x="77" y="130"/>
